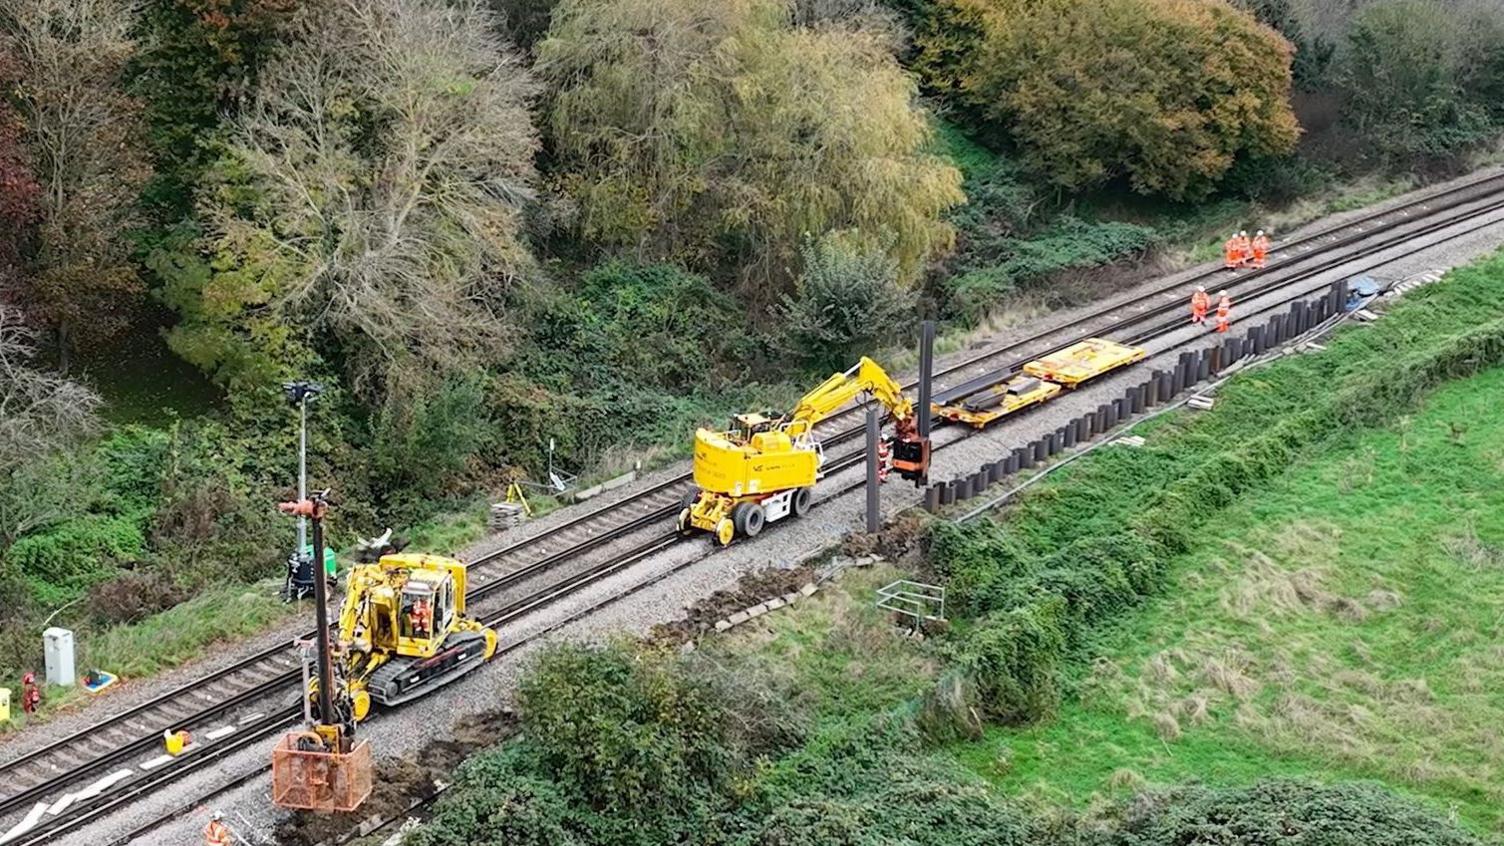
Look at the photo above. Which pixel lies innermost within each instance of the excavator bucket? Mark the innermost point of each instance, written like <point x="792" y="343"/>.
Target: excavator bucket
<point x="319" y="780"/>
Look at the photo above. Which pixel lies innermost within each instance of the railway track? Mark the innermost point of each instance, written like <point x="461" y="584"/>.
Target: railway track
<point x="51" y="770"/>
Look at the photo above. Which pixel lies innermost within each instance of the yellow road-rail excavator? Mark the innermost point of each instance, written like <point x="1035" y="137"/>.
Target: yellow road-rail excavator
<point x="765" y="467"/>
<point x="403" y="630"/>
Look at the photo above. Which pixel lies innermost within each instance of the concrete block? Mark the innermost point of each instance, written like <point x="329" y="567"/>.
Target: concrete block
<point x="809" y="589"/>
<point x="738" y="618"/>
<point x="722" y="625"/>
<point x="775" y="603"/>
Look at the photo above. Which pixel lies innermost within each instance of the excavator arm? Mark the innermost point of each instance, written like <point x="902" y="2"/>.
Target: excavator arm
<point x="911" y="453"/>
<point x="866" y="376"/>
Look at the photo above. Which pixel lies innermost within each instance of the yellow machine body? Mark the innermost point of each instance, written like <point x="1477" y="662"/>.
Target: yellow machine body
<point x="403" y="629"/>
<point x="1084" y="361"/>
<point x="764" y="468"/>
<point x="1014" y="395"/>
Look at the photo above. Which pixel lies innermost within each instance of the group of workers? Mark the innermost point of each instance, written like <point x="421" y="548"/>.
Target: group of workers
<point x="1241" y="251"/>
<point x="1201" y="303"/>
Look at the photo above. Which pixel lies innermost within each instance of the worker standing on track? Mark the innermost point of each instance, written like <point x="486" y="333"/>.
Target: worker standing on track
<point x="1224" y="312"/>
<point x="1232" y="253"/>
<point x="216" y="833"/>
<point x="1260" y="249"/>
<point x="1200" y="305"/>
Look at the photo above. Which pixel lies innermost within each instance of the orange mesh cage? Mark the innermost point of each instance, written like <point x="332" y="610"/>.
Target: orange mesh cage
<point x="320" y="781"/>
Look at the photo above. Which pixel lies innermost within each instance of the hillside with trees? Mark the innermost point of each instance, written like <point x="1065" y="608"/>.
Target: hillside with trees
<point x="486" y="226"/>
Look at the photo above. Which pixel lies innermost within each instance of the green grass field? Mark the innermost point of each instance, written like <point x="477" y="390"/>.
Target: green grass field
<point x="1343" y="622"/>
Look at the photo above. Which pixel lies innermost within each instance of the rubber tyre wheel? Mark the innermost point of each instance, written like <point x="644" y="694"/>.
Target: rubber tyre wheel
<point x="803" y="500"/>
<point x="739" y="517"/>
<point x="753" y="520"/>
<point x="725" y="532"/>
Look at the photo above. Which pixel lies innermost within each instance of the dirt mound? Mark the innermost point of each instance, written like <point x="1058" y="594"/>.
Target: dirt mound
<point x="753" y="588"/>
<point x="401" y="782"/>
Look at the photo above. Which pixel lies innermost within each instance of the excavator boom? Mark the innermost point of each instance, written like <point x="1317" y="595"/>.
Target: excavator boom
<point x="866" y="376"/>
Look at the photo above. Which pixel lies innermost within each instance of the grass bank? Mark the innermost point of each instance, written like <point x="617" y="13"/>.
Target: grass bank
<point x="1344" y="623"/>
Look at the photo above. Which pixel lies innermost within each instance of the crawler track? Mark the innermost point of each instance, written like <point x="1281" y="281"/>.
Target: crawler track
<point x="532" y="573"/>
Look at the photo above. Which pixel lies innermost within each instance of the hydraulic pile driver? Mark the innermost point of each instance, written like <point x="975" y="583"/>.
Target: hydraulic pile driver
<point x="321" y="767"/>
<point x="765" y="467"/>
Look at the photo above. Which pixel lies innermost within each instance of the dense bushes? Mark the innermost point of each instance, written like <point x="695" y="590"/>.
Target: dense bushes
<point x="626" y="745"/>
<point x="1277" y="813"/>
<point x="1422" y="78"/>
<point x="847" y="303"/>
<point x="1168" y="94"/>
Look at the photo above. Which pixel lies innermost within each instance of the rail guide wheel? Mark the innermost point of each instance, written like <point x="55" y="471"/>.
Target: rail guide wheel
<point x="360" y="704"/>
<point x="725" y="531"/>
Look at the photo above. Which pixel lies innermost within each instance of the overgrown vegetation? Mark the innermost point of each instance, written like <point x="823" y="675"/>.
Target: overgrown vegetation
<point x="485" y="226"/>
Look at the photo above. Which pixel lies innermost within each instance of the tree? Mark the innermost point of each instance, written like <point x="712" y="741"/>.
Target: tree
<point x="1164" y="93"/>
<point x="40" y="414"/>
<point x="847" y="302"/>
<point x="722" y="135"/>
<point x="85" y="137"/>
<point x="1421" y="79"/>
<point x="19" y="190"/>
<point x="368" y="202"/>
<point x="200" y="61"/>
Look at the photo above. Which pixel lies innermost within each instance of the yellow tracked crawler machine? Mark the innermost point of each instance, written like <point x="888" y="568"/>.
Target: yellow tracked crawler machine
<point x="764" y="468"/>
<point x="403" y="630"/>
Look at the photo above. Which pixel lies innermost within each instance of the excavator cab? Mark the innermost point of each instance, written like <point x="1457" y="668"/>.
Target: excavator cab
<point x="745" y="427"/>
<point x="427" y="608"/>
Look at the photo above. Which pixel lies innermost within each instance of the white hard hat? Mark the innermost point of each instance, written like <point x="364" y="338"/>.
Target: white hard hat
<point x="215" y="816"/>
<point x="1261" y="231"/>
<point x="1201" y="288"/>
<point x="1223" y="294"/>
<point x="1244" y="233"/>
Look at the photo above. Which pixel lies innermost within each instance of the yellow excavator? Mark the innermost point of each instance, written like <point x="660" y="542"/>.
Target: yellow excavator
<point x="403" y="629"/>
<point x="765" y="467"/>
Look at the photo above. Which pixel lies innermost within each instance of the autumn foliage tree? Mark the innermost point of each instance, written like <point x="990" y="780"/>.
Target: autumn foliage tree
<point x="1166" y="94"/>
<point x="721" y="134"/>
<point x="368" y="202"/>
<point x="199" y="63"/>
<point x="19" y="191"/>
<point x="85" y="137"/>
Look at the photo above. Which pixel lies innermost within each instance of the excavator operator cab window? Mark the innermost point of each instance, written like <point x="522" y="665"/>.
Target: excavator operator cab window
<point x="426" y="607"/>
<point x="747" y="425"/>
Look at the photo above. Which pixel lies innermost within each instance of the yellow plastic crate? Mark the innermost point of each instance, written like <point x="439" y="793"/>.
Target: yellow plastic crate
<point x="1084" y="361"/>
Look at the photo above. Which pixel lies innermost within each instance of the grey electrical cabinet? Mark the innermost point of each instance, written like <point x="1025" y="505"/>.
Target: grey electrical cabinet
<point x="57" y="647"/>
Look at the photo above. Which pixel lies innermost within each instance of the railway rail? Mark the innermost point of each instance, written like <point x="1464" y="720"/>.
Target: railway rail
<point x="67" y="763"/>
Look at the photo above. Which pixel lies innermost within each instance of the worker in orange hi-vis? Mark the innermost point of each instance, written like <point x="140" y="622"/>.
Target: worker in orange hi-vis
<point x="1260" y="249"/>
<point x="216" y="833"/>
<point x="1232" y="253"/>
<point x="1200" y="305"/>
<point x="1224" y="312"/>
<point x="1245" y="247"/>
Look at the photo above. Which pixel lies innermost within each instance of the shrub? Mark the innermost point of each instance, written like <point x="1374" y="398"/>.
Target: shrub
<point x="630" y="736"/>
<point x="1422" y="78"/>
<point x="1278" y="813"/>
<point x="1169" y="95"/>
<point x="73" y="555"/>
<point x="499" y="804"/>
<point x="847" y="302"/>
<point x="991" y="268"/>
<point x="860" y="784"/>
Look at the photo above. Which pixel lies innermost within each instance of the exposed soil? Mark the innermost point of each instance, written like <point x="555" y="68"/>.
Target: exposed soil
<point x="400" y="782"/>
<point x="753" y="588"/>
